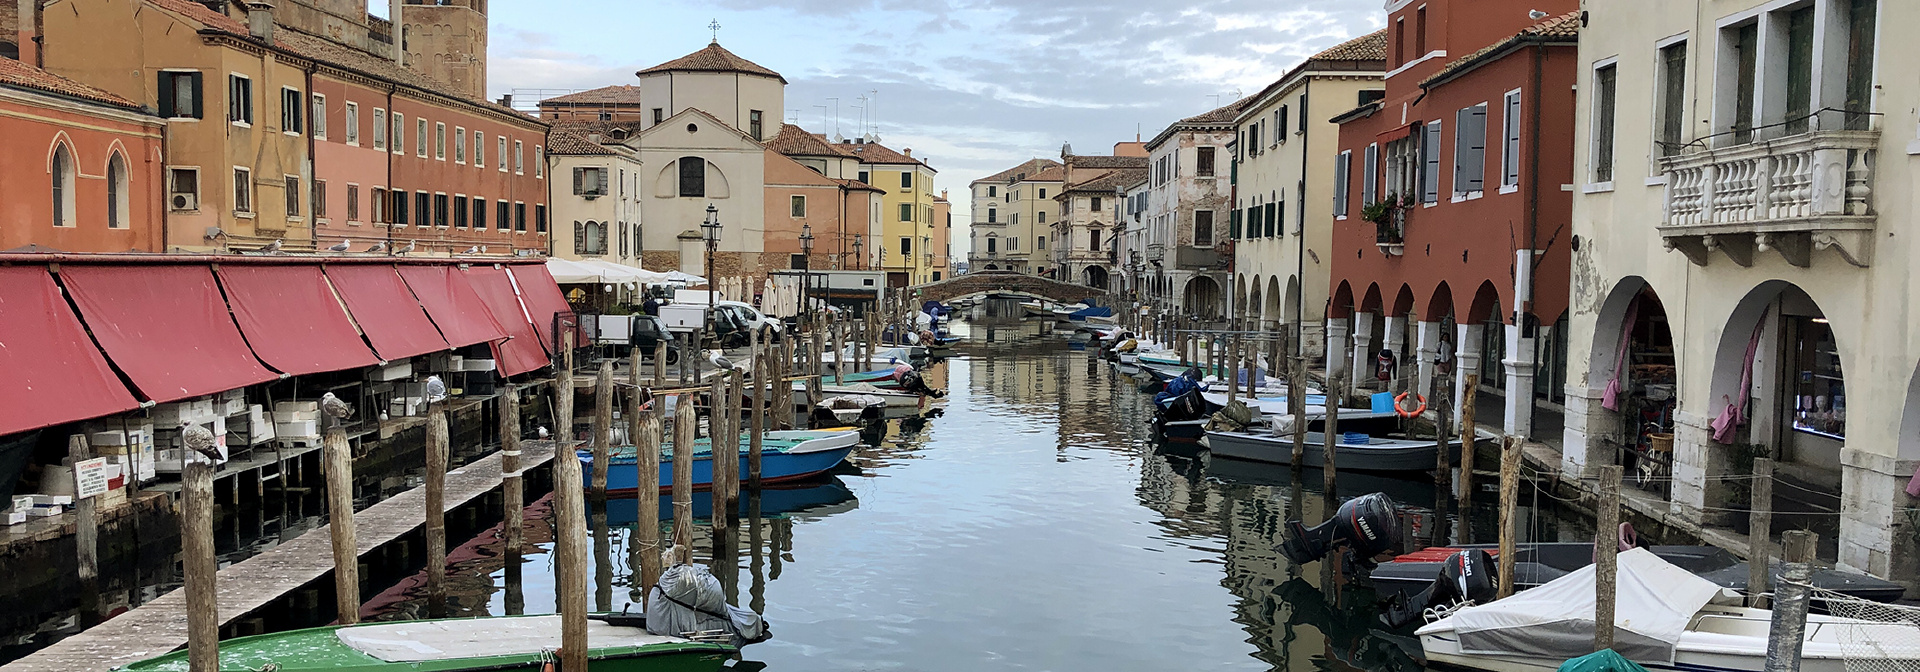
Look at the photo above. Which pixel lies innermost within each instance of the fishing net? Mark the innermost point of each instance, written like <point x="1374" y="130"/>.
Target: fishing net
<point x="1873" y="636"/>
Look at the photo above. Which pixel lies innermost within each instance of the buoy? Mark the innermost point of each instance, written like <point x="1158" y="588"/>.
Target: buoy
<point x="1400" y="405"/>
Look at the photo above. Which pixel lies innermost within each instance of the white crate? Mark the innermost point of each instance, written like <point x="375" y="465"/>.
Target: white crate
<point x="173" y="415"/>
<point x="309" y="406"/>
<point x="480" y="365"/>
<point x="394" y="371"/>
<point x="300" y="429"/>
<point x="101" y="439"/>
<point x="50" y="500"/>
<point x="13" y="517"/>
<point x="296" y="416"/>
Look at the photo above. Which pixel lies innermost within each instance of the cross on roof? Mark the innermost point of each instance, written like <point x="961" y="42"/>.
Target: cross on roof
<point x="715" y="27"/>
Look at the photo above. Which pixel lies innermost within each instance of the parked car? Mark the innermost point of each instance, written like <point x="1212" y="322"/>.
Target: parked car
<point x="648" y="331"/>
<point x="734" y="322"/>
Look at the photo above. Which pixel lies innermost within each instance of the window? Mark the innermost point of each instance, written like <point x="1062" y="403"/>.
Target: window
<point x="479" y="221"/>
<point x="540" y="223"/>
<point x="1430" y="160"/>
<point x="1399" y="42"/>
<point x="906" y="245"/>
<point x="1275" y="211"/>
<point x="353" y="125"/>
<point x="63" y="196"/>
<point x="1420" y="32"/>
<point x="1510" y="140"/>
<point x="590" y="181"/>
<point x="291" y="103"/>
<point x="519" y="217"/>
<point x="1040" y="217"/>
<point x="379" y="198"/>
<point x="906" y="180"/>
<point x="993" y="245"/>
<point x="1470" y="150"/>
<point x="539" y="162"/>
<point x="693" y="177"/>
<point x="1303" y="114"/>
<point x="353" y="203"/>
<point x="423" y="209"/>
<point x="659" y="115"/>
<point x="1205" y="167"/>
<point x="1342" y="174"/>
<point x="754" y="127"/>
<point x="242" y="191"/>
<point x="503" y="216"/>
<point x="1673" y="98"/>
<point x="1369" y="174"/>
<point x="906" y="212"/>
<point x="293" y="196"/>
<point x="993" y="216"/>
<point x="420" y="138"/>
<point x="239" y="100"/>
<point x="1096" y="204"/>
<point x="183" y="188"/>
<point x="799" y="206"/>
<point x="117" y="192"/>
<point x="479" y="149"/>
<point x="1093" y="239"/>
<point x="864" y="178"/>
<point x="441" y="216"/>
<point x="459" y="144"/>
<point x="439" y="141"/>
<point x="1746" y="46"/>
<point x="1820" y="388"/>
<point x="459" y="211"/>
<point x="319" y="206"/>
<point x="180" y="95"/>
<point x="1280" y="126"/>
<point x="399" y="210"/>
<point x="319" y="117"/>
<point x="1234" y="228"/>
<point x="502" y="143"/>
<point x="397" y="131"/>
<point x="1203" y="228"/>
<point x="992" y="191"/>
<point x="623" y="241"/>
<point x="1603" y="105"/>
<point x="1043" y="193"/>
<point x="1860" y="28"/>
<point x="519" y="158"/>
<point x="1040" y="242"/>
<point x="1799" y="69"/>
<point x="589" y="237"/>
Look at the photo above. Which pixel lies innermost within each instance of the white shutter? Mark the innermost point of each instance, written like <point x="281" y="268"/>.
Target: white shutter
<point x="1477" y="149"/>
<point x="1430" y="152"/>
<point x="1342" y="173"/>
<point x="1510" y="150"/>
<point x="1369" y="173"/>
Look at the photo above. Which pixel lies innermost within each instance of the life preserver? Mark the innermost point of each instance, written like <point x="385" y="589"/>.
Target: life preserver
<point x="1400" y="405"/>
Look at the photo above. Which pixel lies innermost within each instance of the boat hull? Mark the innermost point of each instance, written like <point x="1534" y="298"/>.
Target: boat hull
<point x="809" y="458"/>
<point x="1388" y="455"/>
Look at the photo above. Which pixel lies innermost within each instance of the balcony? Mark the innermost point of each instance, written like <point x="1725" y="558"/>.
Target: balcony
<point x="1794" y="195"/>
<point x="1199" y="259"/>
<point x="1156" y="252"/>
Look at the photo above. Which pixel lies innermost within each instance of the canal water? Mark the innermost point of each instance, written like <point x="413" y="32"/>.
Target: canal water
<point x="1033" y="523"/>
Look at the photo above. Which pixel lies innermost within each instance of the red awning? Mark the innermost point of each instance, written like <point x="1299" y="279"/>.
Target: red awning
<point x="386" y="310"/>
<point x="292" y="320"/>
<point x="50" y="372"/>
<point x="543" y="299"/>
<point x="522" y="352"/>
<point x="1394" y="133"/>
<point x="166" y="327"/>
<point x="462" y="319"/>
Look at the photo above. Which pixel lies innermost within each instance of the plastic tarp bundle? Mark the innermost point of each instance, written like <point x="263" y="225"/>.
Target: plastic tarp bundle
<point x="166" y="327"/>
<point x="292" y="320"/>
<point x="1653" y="604"/>
<point x="689" y="600"/>
<point x="50" y="372"/>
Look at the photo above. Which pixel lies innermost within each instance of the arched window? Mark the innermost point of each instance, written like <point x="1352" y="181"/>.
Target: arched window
<point x="62" y="173"/>
<point x="117" y="200"/>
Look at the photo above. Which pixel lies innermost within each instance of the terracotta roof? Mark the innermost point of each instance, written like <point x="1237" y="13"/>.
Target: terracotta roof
<point x="1564" y="28"/>
<point x="564" y="142"/>
<point x="1100" y="162"/>
<point x="1107" y="182"/>
<point x="20" y="75"/>
<point x="713" y="58"/>
<point x="856" y="185"/>
<point x="1369" y="47"/>
<point x="1051" y="174"/>
<point x="592" y="126"/>
<point x="876" y="153"/>
<point x="619" y="94"/>
<point x="1219" y="115"/>
<point x="1031" y="167"/>
<point x="796" y="141"/>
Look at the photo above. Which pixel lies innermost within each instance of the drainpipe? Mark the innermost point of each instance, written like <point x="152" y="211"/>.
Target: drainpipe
<point x="1533" y="193"/>
<point x="1300" y="238"/>
<point x="391" y="134"/>
<point x="313" y="160"/>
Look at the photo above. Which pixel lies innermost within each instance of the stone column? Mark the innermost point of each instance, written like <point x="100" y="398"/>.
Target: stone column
<point x="1466" y="359"/>
<point x="1362" y="340"/>
<point x="1336" y="357"/>
<point x="1592" y="435"/>
<point x="1519" y="365"/>
<point x="1695" y="458"/>
<point x="1396" y="341"/>
<point x="1429" y="348"/>
<point x="1874" y="538"/>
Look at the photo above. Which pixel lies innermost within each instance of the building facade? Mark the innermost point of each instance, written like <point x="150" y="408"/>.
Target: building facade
<point x="1188" y="248"/>
<point x="1091" y="204"/>
<point x="1742" y="280"/>
<point x="906" y="209"/>
<point x="87" y="171"/>
<point x="599" y="215"/>
<point x="1000" y="241"/>
<point x="1455" y="234"/>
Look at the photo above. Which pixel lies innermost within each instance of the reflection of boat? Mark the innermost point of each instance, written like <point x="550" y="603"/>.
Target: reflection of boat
<point x="1536" y="564"/>
<point x="779" y="501"/>
<point x="1362" y="446"/>
<point x="784" y="456"/>
<point x="1349" y="630"/>
<point x="455" y="645"/>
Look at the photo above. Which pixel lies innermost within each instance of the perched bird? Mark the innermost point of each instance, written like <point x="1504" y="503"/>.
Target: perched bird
<point x="201" y="440"/>
<point x="715" y="358"/>
<point x="384" y="417"/>
<point x="404" y="250"/>
<point x="542" y="432"/>
<point x="342" y="247"/>
<point x="334" y="407"/>
<point x="436" y="390"/>
<point x="377" y="248"/>
<point x="472" y="250"/>
<point x="1536" y="15"/>
<point x="273" y="247"/>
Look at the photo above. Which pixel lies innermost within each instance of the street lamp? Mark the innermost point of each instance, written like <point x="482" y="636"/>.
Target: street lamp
<point x="858" y="246"/>
<point x="710" y="230"/>
<point x="806" y="269"/>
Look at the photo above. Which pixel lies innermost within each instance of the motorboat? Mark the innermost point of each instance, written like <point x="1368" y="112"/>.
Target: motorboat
<point x="787" y="455"/>
<point x="1536" y="564"/>
<point x="1365" y="444"/>
<point x="1665" y="618"/>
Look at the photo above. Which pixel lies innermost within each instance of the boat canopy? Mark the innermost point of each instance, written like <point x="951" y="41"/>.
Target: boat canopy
<point x="1654" y="601"/>
<point x="459" y="639"/>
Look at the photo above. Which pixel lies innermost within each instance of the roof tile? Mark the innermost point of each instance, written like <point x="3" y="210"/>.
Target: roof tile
<point x="566" y="142"/>
<point x="619" y="94"/>
<point x="1032" y="167"/>
<point x="712" y="58"/>
<point x="1562" y="28"/>
<point x="796" y="141"/>
<point x="17" y="74"/>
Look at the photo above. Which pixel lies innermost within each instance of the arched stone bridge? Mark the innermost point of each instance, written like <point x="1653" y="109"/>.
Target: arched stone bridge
<point x="1003" y="282"/>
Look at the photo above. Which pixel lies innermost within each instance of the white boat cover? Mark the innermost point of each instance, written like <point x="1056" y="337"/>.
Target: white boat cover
<point x="1653" y="604"/>
<point x="455" y="639"/>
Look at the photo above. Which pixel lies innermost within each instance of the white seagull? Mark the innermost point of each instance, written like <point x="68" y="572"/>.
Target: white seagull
<point x="201" y="440"/>
<point x="472" y="250"/>
<point x="334" y="407"/>
<point x="273" y="247"/>
<point x="377" y="248"/>
<point x="436" y="390"/>
<point x="342" y="247"/>
<point x="404" y="250"/>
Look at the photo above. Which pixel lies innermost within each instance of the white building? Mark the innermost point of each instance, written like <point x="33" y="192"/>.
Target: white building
<point x="1187" y="241"/>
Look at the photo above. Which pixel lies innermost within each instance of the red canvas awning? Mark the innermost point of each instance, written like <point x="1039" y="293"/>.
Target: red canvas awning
<point x="50" y="372"/>
<point x="1394" y="133"/>
<point x="522" y="352"/>
<point x="386" y="310"/>
<point x="543" y="299"/>
<point x="166" y="327"/>
<point x="450" y="301"/>
<point x="292" y="320"/>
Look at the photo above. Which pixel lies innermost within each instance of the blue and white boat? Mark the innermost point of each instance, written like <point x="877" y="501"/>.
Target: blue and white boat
<point x="784" y="456"/>
<point x="775" y="502"/>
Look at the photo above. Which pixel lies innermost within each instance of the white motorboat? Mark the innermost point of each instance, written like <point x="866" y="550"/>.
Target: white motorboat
<point x="1666" y="619"/>
<point x="1274" y="404"/>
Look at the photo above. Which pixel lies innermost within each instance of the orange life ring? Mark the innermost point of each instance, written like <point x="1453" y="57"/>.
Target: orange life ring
<point x="1400" y="405"/>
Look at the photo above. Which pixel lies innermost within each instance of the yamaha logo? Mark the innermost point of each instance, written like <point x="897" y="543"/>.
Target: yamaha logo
<point x="1365" y="528"/>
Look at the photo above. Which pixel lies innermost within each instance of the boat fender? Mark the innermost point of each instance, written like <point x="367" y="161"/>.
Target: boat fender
<point x="1400" y="405"/>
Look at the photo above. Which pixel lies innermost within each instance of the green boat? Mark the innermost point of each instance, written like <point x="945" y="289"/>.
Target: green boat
<point x="495" y="644"/>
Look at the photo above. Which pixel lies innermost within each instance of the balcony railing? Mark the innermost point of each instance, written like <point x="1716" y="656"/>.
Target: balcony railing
<point x="1794" y="195"/>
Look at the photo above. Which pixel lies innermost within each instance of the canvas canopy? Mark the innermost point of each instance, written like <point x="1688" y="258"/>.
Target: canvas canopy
<point x="622" y="273"/>
<point x="1654" y="601"/>
<point x="569" y="272"/>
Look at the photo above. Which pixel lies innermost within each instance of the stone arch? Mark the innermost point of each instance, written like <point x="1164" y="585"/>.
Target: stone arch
<point x="1486" y="303"/>
<point x="1402" y="302"/>
<point x="1290" y="300"/>
<point x="1372" y="301"/>
<point x="1094" y="276"/>
<point x="1239" y="296"/>
<point x="1202" y="296"/>
<point x="1441" y="305"/>
<point x="1254" y="308"/>
<point x="1273" y="308"/>
<point x="1342" y="305"/>
<point x="1770" y="300"/>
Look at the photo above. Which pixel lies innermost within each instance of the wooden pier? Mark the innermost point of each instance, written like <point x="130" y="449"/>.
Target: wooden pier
<point x="161" y="625"/>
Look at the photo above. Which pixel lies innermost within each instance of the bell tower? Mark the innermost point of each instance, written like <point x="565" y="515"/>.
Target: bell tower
<point x="446" y="40"/>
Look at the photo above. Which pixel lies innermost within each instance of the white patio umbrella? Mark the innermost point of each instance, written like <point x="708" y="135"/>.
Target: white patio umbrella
<point x="569" y="272"/>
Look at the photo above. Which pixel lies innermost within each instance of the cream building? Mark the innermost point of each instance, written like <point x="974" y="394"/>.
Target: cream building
<point x="1092" y="203"/>
<point x="1742" y="274"/>
<point x="1000" y="241"/>
<point x="1286" y="150"/>
<point x="906" y="209"/>
<point x="597" y="196"/>
<point x="1189" y="173"/>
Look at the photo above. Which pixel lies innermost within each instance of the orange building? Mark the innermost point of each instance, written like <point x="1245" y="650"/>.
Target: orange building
<point x="83" y="169"/>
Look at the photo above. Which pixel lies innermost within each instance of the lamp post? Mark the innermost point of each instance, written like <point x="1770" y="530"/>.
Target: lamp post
<point x="858" y="247"/>
<point x="710" y="230"/>
<point x="806" y="270"/>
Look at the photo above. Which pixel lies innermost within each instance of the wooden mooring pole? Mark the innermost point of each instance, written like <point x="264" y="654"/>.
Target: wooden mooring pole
<point x="685" y="432"/>
<point x="570" y="557"/>
<point x="602" y="445"/>
<point x="86" y="536"/>
<point x="436" y="509"/>
<point x="563" y="397"/>
<point x="1297" y="402"/>
<point x="197" y="561"/>
<point x="1443" y="470"/>
<point x="1760" y="533"/>
<point x="763" y="395"/>
<point x="1606" y="549"/>
<point x="1509" y="498"/>
<point x="1787" y="638"/>
<point x="1336" y="394"/>
<point x="1465" y="430"/>
<point x="718" y="428"/>
<point x="513" y="497"/>
<point x="346" y="556"/>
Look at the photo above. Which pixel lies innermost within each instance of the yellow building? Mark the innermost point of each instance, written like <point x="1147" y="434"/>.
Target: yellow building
<point x="907" y="212"/>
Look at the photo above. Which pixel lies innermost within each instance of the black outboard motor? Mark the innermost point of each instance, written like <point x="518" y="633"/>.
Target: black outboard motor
<point x="912" y="382"/>
<point x="1363" y="526"/>
<point x="1466" y="576"/>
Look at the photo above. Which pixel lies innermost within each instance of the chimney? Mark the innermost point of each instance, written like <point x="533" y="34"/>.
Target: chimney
<point x="28" y="33"/>
<point x="908" y="151"/>
<point x="260" y="20"/>
<point x="399" y="32"/>
<point x="506" y="100"/>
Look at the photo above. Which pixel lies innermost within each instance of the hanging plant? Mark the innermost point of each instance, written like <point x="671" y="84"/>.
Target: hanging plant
<point x="1381" y="211"/>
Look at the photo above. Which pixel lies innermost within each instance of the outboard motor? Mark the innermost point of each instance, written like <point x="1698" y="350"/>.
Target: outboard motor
<point x="912" y="382"/>
<point x="1364" y="527"/>
<point x="1181" y="399"/>
<point x="1465" y="577"/>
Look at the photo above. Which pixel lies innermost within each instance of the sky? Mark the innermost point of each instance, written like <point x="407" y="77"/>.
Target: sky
<point x="971" y="86"/>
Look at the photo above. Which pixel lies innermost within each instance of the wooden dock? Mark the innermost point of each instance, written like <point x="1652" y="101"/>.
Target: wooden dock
<point x="160" y="626"/>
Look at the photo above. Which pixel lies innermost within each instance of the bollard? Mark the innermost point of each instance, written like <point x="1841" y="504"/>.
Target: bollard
<point x="1330" y="441"/>
<point x="1787" y="637"/>
<point x="602" y="445"/>
<point x="1760" y="534"/>
<point x="346" y="554"/>
<point x="685" y="431"/>
<point x="86" y="536"/>
<point x="1509" y="499"/>
<point x="512" y="490"/>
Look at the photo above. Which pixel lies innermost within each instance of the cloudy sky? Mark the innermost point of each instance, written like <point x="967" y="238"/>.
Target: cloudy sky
<point x="974" y="86"/>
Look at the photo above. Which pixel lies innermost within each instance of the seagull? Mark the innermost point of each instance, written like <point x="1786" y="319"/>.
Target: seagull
<point x="377" y="248"/>
<point x="342" y="247"/>
<point x="472" y="250"/>
<point x="404" y="250"/>
<point x="1536" y="15"/>
<point x="436" y="390"/>
<point x="273" y="247"/>
<point x="715" y="358"/>
<point x="542" y="432"/>
<point x="201" y="440"/>
<point x="334" y="407"/>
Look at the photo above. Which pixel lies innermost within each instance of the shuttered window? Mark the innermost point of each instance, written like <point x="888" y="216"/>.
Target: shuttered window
<point x="1603" y="108"/>
<point x="1430" y="162"/>
<point x="1342" y="174"/>
<point x="1369" y="176"/>
<point x="1510" y="141"/>
<point x="1470" y="150"/>
<point x="1274" y="212"/>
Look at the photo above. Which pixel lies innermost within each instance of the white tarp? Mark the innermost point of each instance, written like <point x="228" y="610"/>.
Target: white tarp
<point x="622" y="273"/>
<point x="569" y="272"/>
<point x="1654" y="601"/>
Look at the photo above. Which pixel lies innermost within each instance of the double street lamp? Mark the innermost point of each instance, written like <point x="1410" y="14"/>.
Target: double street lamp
<point x="858" y="247"/>
<point x="710" y="230"/>
<point x="806" y="270"/>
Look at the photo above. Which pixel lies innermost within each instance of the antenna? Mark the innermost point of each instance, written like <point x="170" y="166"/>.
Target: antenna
<point x="823" y="115"/>
<point x="836" y="117"/>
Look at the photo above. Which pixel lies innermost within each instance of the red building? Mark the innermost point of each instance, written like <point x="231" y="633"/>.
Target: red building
<point x="83" y="173"/>
<point x="1455" y="233"/>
